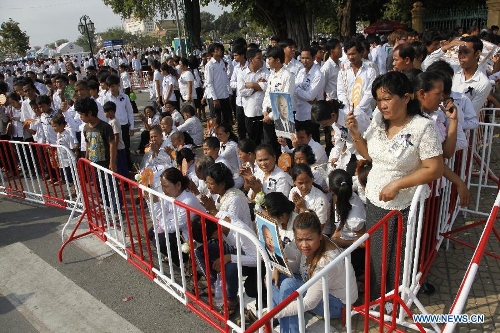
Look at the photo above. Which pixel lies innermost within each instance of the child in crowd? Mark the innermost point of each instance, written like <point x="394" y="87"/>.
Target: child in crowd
<point x="192" y="124"/>
<point x="350" y="217"/>
<point x="228" y="146"/>
<point x="14" y="100"/>
<point x="121" y="158"/>
<point x="167" y="128"/>
<point x="65" y="139"/>
<point x="176" y="115"/>
<point x="359" y="180"/>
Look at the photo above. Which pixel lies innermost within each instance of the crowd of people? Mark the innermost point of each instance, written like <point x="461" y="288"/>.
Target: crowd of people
<point x="391" y="113"/>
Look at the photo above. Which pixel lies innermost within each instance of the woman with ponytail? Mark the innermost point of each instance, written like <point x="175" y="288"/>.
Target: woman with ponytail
<point x="350" y="216"/>
<point x="317" y="252"/>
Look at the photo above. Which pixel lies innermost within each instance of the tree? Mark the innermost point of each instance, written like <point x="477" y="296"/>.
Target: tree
<point x="151" y="9"/>
<point x="57" y="42"/>
<point x="84" y="42"/>
<point x="13" y="41"/>
<point x="207" y="22"/>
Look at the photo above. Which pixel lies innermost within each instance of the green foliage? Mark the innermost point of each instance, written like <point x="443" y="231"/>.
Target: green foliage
<point x="207" y="22"/>
<point x="58" y="42"/>
<point x="398" y="10"/>
<point x="13" y="41"/>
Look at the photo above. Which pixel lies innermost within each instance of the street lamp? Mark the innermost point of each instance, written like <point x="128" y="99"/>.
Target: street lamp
<point x="86" y="27"/>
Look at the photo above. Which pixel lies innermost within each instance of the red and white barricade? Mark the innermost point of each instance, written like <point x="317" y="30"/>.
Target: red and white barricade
<point x="118" y="211"/>
<point x="139" y="79"/>
<point x="40" y="173"/>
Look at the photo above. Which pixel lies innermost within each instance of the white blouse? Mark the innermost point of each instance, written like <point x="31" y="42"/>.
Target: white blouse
<point x="355" y="219"/>
<point x="235" y="203"/>
<point x="398" y="157"/>
<point x="336" y="284"/>
<point x="318" y="203"/>
<point x="278" y="181"/>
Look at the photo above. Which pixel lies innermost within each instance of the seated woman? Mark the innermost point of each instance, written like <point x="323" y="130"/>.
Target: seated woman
<point x="201" y="166"/>
<point x="306" y="195"/>
<point x="304" y="154"/>
<point x="246" y="153"/>
<point x="174" y="185"/>
<point x="350" y="217"/>
<point x="267" y="177"/>
<point x="192" y="124"/>
<point x="248" y="257"/>
<point x="228" y="199"/>
<point x="228" y="146"/>
<point x="317" y="252"/>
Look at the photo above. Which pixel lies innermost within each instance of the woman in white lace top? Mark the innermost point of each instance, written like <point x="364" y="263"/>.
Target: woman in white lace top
<point x="405" y="151"/>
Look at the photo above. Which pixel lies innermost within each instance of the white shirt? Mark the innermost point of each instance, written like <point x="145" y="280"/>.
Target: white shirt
<point x="308" y="87"/>
<point x="318" y="150"/>
<point x="280" y="81"/>
<point x="177" y="118"/>
<point x="317" y="202"/>
<point x="183" y="85"/>
<point x="278" y="181"/>
<point x="66" y="139"/>
<point x="125" y="80"/>
<point x="379" y="58"/>
<point x="233" y="83"/>
<point x="466" y="110"/>
<point x="216" y="80"/>
<point x="252" y="99"/>
<point x="356" y="219"/>
<point x="157" y="76"/>
<point x="480" y="85"/>
<point x="168" y="84"/>
<point x="194" y="128"/>
<point x="356" y="89"/>
<point x="336" y="280"/>
<point x="229" y="151"/>
<point x="330" y="71"/>
<point x="124" y="112"/>
<point x="165" y="221"/>
<point x="294" y="66"/>
<point x="234" y="203"/>
<point x="398" y="157"/>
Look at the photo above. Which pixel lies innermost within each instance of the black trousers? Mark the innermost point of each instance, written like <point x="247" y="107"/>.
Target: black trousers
<point x="126" y="141"/>
<point x="240" y="119"/>
<point x="172" y="239"/>
<point x="254" y="128"/>
<point x="222" y="114"/>
<point x="134" y="105"/>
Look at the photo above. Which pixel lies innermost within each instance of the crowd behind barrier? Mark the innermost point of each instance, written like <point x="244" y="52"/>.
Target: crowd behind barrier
<point x="106" y="202"/>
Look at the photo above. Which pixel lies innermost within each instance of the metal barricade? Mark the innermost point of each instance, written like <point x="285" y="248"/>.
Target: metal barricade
<point x="119" y="212"/>
<point x="40" y="173"/>
<point x="468" y="280"/>
<point x="139" y="80"/>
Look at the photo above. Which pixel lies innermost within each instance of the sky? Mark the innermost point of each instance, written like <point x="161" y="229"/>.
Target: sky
<point x="46" y="21"/>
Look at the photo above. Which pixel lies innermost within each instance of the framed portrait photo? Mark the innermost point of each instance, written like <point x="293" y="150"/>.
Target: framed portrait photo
<point x="267" y="231"/>
<point x="282" y="107"/>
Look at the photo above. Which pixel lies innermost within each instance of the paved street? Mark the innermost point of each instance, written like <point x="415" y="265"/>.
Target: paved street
<point x="94" y="290"/>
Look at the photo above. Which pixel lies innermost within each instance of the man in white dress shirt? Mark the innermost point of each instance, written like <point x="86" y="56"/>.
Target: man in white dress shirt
<point x="216" y="85"/>
<point x="240" y="64"/>
<point x="377" y="53"/>
<point x="252" y="83"/>
<point x="331" y="67"/>
<point x="309" y="88"/>
<point x="471" y="80"/>
<point x="291" y="63"/>
<point x="354" y="85"/>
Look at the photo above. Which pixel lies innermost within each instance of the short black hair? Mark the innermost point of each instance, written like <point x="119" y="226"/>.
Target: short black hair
<point x="251" y="53"/>
<point x="476" y="41"/>
<point x="112" y="79"/>
<point x="86" y="105"/>
<point x="109" y="106"/>
<point x="277" y="53"/>
<point x="406" y="51"/>
<point x="354" y="43"/>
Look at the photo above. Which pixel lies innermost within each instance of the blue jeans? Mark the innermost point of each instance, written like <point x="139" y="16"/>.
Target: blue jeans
<point x="286" y="287"/>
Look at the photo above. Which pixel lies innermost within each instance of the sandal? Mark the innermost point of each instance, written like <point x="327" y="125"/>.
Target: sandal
<point x="232" y="306"/>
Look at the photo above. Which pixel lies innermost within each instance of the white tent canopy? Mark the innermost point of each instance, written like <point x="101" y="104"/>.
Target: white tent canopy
<point x="69" y="48"/>
<point x="46" y="52"/>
